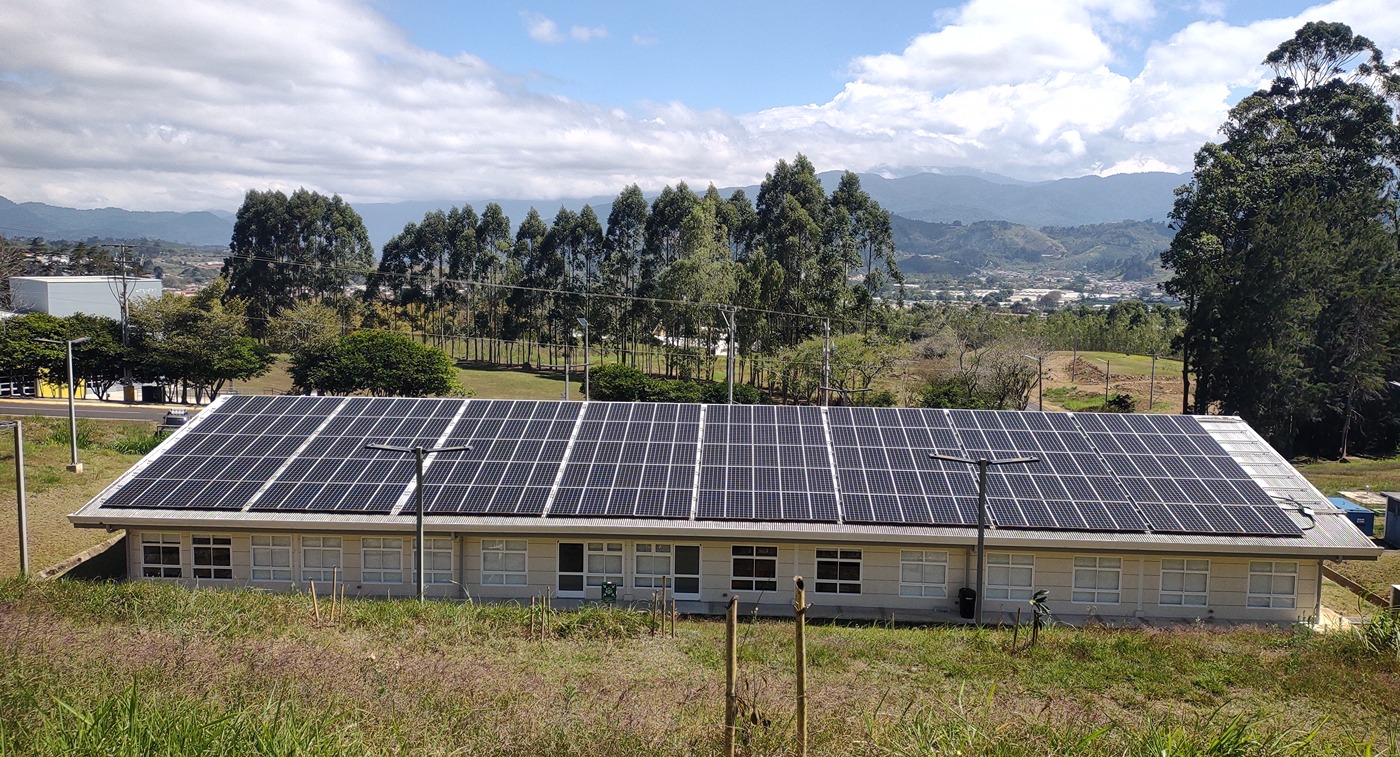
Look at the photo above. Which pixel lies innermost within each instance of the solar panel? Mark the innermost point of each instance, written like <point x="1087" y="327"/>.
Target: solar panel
<point x="226" y="455"/>
<point x="1181" y="478"/>
<point x="336" y="473"/>
<point x="884" y="471"/>
<point x="765" y="463"/>
<point x="517" y="448"/>
<point x="638" y="457"/>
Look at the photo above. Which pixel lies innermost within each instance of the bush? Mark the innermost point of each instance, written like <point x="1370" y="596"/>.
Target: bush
<point x="674" y="390"/>
<point x="623" y="383"/>
<point x="619" y="383"/>
<point x="1120" y="403"/>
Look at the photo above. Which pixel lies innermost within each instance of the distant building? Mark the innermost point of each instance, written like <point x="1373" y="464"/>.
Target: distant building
<point x="63" y="296"/>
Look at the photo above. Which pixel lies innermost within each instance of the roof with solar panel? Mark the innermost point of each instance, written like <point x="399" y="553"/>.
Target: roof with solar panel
<point x="263" y="461"/>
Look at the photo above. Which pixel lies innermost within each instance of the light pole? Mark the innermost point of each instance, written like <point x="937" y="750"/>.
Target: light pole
<point x="728" y="313"/>
<point x="18" y="426"/>
<point x="586" y="394"/>
<point x="982" y="464"/>
<point x="1152" y="383"/>
<point x="1039" y="380"/>
<point x="418" y="454"/>
<point x="74" y="466"/>
<point x="1107" y="371"/>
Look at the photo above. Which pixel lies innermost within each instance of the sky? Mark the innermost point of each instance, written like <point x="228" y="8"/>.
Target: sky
<point x="188" y="104"/>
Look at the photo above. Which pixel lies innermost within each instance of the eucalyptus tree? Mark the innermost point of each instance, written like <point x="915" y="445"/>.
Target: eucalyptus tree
<point x="624" y="246"/>
<point x="493" y="236"/>
<point x="288" y="248"/>
<point x="701" y="278"/>
<point x="792" y="212"/>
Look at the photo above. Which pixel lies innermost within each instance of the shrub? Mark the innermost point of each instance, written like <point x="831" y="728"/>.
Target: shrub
<point x="619" y="383"/>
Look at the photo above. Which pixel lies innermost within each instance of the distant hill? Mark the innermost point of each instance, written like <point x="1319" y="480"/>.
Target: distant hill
<point x="35" y="219"/>
<point x="1126" y="249"/>
<point x="931" y="197"/>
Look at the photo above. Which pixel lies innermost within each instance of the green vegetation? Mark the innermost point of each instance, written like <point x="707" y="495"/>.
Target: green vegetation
<point x="147" y="668"/>
<point x="380" y="363"/>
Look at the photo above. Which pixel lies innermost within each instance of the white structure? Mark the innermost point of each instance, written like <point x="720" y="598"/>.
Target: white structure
<point x="63" y="296"/>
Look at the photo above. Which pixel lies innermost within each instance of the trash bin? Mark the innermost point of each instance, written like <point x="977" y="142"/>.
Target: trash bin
<point x="967" y="603"/>
<point x="609" y="592"/>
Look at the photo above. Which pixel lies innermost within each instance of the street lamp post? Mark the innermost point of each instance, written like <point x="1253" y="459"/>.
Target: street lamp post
<point x="982" y="464"/>
<point x="74" y="466"/>
<point x="1107" y="371"/>
<point x="23" y="534"/>
<point x="1039" y="379"/>
<point x="586" y="394"/>
<point x="1152" y="383"/>
<point x="419" y="453"/>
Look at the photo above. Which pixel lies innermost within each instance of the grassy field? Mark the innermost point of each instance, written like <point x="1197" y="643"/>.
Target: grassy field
<point x="487" y="383"/>
<point x="151" y="669"/>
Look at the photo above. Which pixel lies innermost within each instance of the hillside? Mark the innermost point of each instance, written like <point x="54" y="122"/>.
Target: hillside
<point x="1126" y="249"/>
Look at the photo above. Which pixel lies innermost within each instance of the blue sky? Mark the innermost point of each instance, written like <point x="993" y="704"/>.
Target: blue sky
<point x="187" y="104"/>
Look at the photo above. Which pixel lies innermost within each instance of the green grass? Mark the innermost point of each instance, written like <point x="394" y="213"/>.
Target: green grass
<point x="146" y="668"/>
<point x="508" y="384"/>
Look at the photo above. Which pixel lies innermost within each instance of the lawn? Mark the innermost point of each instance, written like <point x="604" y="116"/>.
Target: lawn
<point x="152" y="669"/>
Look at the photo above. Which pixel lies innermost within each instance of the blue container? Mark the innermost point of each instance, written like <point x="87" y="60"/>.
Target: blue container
<point x="1363" y="517"/>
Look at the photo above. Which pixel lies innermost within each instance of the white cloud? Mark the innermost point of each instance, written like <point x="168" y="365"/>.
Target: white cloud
<point x="180" y="104"/>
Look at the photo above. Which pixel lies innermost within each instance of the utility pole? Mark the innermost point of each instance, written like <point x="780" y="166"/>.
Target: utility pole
<point x="826" y="361"/>
<point x="124" y="300"/>
<point x="419" y="452"/>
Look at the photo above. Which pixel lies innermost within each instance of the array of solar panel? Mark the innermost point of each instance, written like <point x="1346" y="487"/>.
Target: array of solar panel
<point x="886" y="475"/>
<point x="764" y="462"/>
<point x="1181" y="477"/>
<point x="631" y="460"/>
<point x="517" y="448"/>
<point x="1067" y="488"/>
<point x="226" y="455"/>
<point x="334" y="472"/>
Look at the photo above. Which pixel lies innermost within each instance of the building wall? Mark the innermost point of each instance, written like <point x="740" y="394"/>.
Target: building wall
<point x="93" y="295"/>
<point x="1121" y="587"/>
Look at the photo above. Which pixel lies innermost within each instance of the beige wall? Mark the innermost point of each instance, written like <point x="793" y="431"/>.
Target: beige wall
<point x="1139" y="580"/>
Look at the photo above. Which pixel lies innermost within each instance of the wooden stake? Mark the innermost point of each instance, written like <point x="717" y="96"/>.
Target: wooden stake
<point x="731" y="673"/>
<point x="799" y="607"/>
<point x="315" y="606"/>
<point x="1016" y="634"/>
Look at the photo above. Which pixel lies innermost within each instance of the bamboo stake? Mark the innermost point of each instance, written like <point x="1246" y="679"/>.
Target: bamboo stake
<point x="800" y="607"/>
<point x="731" y="672"/>
<point x="315" y="606"/>
<point x="1016" y="634"/>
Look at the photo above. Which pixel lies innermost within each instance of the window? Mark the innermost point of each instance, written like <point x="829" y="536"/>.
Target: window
<point x="1010" y="575"/>
<point x="754" y="568"/>
<point x="272" y="558"/>
<point x="213" y="556"/>
<point x="678" y="564"/>
<point x="604" y="563"/>
<point x="437" y="560"/>
<point x="838" y="571"/>
<point x="1272" y="584"/>
<point x="1184" y="583"/>
<point x="923" y="573"/>
<point x="503" y="562"/>
<point x="1098" y="580"/>
<point x="382" y="560"/>
<point x="320" y="558"/>
<point x="160" y="555"/>
<point x="570" y="568"/>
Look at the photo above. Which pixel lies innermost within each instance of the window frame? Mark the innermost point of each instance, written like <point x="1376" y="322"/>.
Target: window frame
<point x="599" y="559"/>
<point x="321" y="547"/>
<point x="380" y="550"/>
<point x="212" y="545"/>
<point x="1007" y="590"/>
<point x="438" y="561"/>
<point x="834" y="574"/>
<point x="679" y="584"/>
<point x="1273" y="599"/>
<point x="504" y="573"/>
<point x="268" y="550"/>
<point x="750" y="579"/>
<point x="1097" y="568"/>
<point x="1183" y="574"/>
<point x="165" y="544"/>
<point x="925" y="588"/>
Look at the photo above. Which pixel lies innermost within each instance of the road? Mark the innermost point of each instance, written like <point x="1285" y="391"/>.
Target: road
<point x="111" y="411"/>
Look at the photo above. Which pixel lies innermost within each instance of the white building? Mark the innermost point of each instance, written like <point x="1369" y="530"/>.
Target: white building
<point x="63" y="296"/>
<point x="1124" y="518"/>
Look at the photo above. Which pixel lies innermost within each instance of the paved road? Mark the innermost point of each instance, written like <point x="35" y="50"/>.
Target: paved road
<point x="115" y="411"/>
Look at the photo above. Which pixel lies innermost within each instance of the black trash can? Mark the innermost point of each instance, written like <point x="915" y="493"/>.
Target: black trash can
<point x="967" y="603"/>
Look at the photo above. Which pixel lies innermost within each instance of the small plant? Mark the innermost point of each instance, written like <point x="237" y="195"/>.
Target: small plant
<point x="135" y="443"/>
<point x="1381" y="634"/>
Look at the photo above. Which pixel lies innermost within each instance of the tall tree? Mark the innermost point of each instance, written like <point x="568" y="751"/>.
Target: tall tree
<point x="288" y="248"/>
<point x="1323" y="137"/>
<point x="626" y="237"/>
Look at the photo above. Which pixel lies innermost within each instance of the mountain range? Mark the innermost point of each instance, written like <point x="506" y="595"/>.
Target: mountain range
<point x="940" y="198"/>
